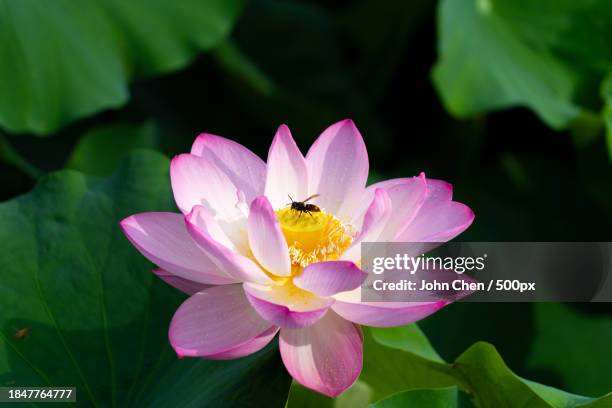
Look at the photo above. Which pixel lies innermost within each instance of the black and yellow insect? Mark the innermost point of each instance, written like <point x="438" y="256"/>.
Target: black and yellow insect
<point x="302" y="206"/>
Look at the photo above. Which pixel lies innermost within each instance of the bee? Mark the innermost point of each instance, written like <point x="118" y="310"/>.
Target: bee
<point x="22" y="333"/>
<point x="302" y="207"/>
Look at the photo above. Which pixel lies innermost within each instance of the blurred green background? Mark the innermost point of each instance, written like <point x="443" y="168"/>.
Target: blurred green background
<point x="507" y="100"/>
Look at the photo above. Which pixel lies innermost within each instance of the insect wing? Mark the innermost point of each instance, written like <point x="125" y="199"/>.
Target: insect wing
<point x="311" y="197"/>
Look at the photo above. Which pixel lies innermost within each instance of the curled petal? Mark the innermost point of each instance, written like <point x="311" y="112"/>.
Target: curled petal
<point x="218" y="322"/>
<point x="266" y="238"/>
<point x="235" y="264"/>
<point x="375" y="220"/>
<point x="407" y="195"/>
<point x="203" y="218"/>
<point x="286" y="305"/>
<point x="368" y="195"/>
<point x="287" y="174"/>
<point x="423" y="210"/>
<point x="338" y="169"/>
<point x="329" y="278"/>
<point x="326" y="357"/>
<point x="164" y="240"/>
<point x="243" y="167"/>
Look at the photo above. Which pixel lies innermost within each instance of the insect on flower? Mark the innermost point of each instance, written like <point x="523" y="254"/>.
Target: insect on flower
<point x="302" y="207"/>
<point x="255" y="268"/>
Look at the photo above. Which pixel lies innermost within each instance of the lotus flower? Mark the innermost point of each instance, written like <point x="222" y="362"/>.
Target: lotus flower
<point x="254" y="267"/>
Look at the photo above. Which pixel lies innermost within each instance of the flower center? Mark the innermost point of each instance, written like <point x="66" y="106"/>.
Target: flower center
<point x="312" y="237"/>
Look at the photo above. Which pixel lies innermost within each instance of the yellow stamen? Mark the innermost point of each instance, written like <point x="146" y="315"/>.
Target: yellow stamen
<point x="312" y="237"/>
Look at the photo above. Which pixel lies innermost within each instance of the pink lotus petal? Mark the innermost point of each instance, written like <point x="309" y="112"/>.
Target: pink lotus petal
<point x="243" y="167"/>
<point x="338" y="169"/>
<point x="439" y="190"/>
<point x="374" y="222"/>
<point x="203" y="218"/>
<point x="329" y="278"/>
<point x="368" y="195"/>
<point x="196" y="181"/>
<point x="287" y="174"/>
<point x="407" y="199"/>
<point x="233" y="263"/>
<point x="164" y="240"/>
<point x="214" y="321"/>
<point x="415" y="185"/>
<point x="247" y="348"/>
<point x="382" y="314"/>
<point x="437" y="223"/>
<point x="326" y="357"/>
<point x="281" y="307"/>
<point x="376" y="218"/>
<point x="266" y="238"/>
<point x="184" y="285"/>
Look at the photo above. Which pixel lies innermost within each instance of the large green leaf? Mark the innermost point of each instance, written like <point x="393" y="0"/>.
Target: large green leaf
<point x="401" y="359"/>
<point x="584" y="342"/>
<point x="80" y="307"/>
<point x="64" y="59"/>
<point x="387" y="369"/>
<point x="480" y="372"/>
<point x="493" y="384"/>
<point x="486" y="64"/>
<point x="357" y="396"/>
<point x="432" y="398"/>
<point x="547" y="55"/>
<point x="99" y="151"/>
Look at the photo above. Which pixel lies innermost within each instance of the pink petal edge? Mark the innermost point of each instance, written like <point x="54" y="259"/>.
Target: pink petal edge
<point x="329" y="278"/>
<point x="233" y="263"/>
<point x="283" y="315"/>
<point x="243" y="167"/>
<point x="184" y="285"/>
<point x="163" y="239"/>
<point x="215" y="321"/>
<point x="266" y="238"/>
<point x="326" y="357"/>
<point x="385" y="314"/>
<point x="337" y="164"/>
<point x="287" y="174"/>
